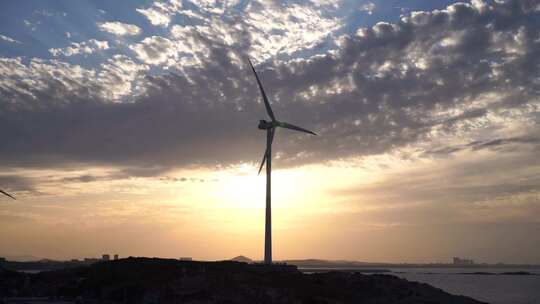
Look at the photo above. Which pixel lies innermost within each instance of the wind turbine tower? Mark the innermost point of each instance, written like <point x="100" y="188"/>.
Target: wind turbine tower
<point x="270" y="127"/>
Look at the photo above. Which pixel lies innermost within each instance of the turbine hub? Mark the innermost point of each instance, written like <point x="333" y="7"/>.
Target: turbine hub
<point x="264" y="125"/>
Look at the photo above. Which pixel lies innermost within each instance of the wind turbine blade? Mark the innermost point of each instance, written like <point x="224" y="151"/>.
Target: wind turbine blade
<point x="265" y="99"/>
<point x="266" y="152"/>
<point x="293" y="127"/>
<point x="263" y="162"/>
<point x="7" y="194"/>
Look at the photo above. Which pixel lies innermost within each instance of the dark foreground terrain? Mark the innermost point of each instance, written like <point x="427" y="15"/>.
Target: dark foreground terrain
<point x="144" y="280"/>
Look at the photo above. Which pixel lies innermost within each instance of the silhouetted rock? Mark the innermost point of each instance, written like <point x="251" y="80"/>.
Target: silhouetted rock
<point x="144" y="280"/>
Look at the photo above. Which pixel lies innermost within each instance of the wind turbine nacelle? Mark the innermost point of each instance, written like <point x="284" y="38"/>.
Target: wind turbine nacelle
<point x="264" y="125"/>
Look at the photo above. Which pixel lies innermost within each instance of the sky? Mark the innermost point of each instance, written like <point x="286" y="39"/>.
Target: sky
<point x="130" y="128"/>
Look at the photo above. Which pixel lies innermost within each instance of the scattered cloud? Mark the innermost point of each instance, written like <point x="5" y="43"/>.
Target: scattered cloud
<point x="85" y="47"/>
<point x="470" y="187"/>
<point x="330" y="3"/>
<point x="368" y="7"/>
<point x="16" y="183"/>
<point x="44" y="13"/>
<point x="49" y="13"/>
<point x="8" y="39"/>
<point x="119" y="28"/>
<point x="161" y="12"/>
<point x="286" y="29"/>
<point x="215" y="7"/>
<point x="154" y="50"/>
<point x="59" y="83"/>
<point x="422" y="84"/>
<point x="31" y="25"/>
<point x="265" y="29"/>
<point x="120" y="76"/>
<point x="185" y="179"/>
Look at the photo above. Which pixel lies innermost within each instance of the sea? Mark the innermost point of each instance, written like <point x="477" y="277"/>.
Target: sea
<point x="488" y="285"/>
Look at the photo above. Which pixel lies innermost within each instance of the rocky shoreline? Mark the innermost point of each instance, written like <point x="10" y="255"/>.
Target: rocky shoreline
<point x="146" y="280"/>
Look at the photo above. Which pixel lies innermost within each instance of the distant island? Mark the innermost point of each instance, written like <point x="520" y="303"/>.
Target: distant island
<point x="243" y="259"/>
<point x="356" y="264"/>
<point x="312" y="265"/>
<point x="153" y="280"/>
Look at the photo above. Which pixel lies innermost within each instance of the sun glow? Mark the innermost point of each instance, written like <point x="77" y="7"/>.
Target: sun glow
<point x="243" y="188"/>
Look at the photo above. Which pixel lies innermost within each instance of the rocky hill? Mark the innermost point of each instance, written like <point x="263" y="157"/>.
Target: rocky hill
<point x="242" y="258"/>
<point x="144" y="280"/>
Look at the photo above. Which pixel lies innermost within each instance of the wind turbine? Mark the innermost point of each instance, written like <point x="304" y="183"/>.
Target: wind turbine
<point x="270" y="127"/>
<point x="4" y="192"/>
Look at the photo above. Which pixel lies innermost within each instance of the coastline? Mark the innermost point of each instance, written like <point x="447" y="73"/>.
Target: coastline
<point x="137" y="280"/>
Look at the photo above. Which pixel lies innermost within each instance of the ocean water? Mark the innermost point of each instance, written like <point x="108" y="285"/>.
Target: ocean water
<point x="495" y="289"/>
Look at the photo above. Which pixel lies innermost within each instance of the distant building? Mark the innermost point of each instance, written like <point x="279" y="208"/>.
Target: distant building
<point x="106" y="257"/>
<point x="74" y="261"/>
<point x="90" y="260"/>
<point x="116" y="257"/>
<point x="186" y="259"/>
<point x="463" y="262"/>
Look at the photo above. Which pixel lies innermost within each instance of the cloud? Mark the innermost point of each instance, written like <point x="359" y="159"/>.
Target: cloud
<point x="119" y="28"/>
<point x="368" y="7"/>
<point x="31" y="25"/>
<point x="24" y="84"/>
<point x="15" y="183"/>
<point x="160" y="13"/>
<point x="154" y="50"/>
<point x="286" y="29"/>
<point x="432" y="80"/>
<point x="120" y="76"/>
<point x="8" y="39"/>
<point x="265" y="29"/>
<point x="184" y="179"/>
<point x="49" y="13"/>
<point x="332" y="3"/>
<point x="83" y="179"/>
<point x="57" y="83"/>
<point x="472" y="186"/>
<point x="215" y="7"/>
<point x="44" y="13"/>
<point x="492" y="144"/>
<point x="85" y="47"/>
